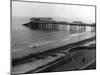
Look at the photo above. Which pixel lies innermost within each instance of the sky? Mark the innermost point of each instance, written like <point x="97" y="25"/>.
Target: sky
<point x="67" y="12"/>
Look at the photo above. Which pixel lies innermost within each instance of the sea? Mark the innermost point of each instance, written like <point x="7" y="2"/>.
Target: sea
<point x="22" y="36"/>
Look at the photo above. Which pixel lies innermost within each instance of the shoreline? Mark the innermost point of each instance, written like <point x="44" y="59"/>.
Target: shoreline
<point x="51" y="45"/>
<point x="51" y="50"/>
<point x="43" y="68"/>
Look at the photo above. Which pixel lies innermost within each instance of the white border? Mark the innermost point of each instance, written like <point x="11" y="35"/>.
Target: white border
<point x="5" y="37"/>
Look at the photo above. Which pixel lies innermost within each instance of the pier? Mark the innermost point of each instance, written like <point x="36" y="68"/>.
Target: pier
<point x="51" y="24"/>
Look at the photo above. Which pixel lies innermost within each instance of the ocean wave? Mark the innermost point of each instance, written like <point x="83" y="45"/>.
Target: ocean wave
<point x="40" y="43"/>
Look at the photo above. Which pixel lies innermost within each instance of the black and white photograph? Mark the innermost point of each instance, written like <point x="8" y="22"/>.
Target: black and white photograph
<point x="52" y="37"/>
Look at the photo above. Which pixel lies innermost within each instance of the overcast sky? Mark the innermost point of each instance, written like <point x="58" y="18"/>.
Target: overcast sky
<point x="70" y="12"/>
